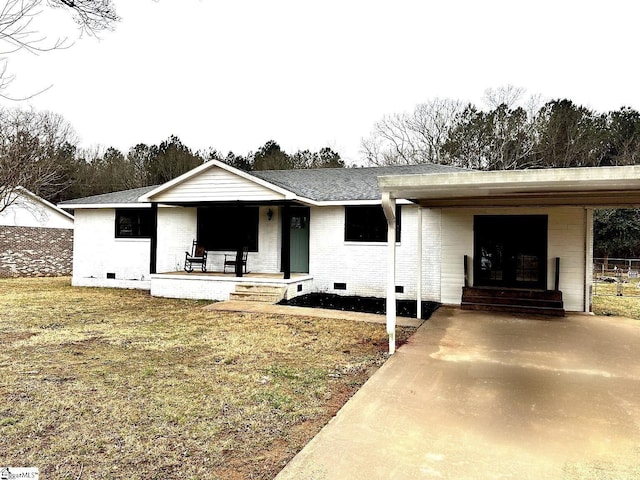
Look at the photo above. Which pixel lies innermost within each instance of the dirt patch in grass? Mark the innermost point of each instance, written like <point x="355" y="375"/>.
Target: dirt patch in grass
<point x="404" y="308"/>
<point x="106" y="383"/>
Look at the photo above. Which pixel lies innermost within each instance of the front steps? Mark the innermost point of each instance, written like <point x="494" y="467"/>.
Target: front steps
<point x="246" y="292"/>
<point x="537" y="302"/>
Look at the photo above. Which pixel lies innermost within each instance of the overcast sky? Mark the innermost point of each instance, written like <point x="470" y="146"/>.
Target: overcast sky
<point x="232" y="75"/>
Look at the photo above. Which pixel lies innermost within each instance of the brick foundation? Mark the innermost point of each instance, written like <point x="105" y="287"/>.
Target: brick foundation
<point x="35" y="252"/>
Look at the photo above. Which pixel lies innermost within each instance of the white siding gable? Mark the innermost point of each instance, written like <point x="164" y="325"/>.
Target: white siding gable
<point x="29" y="210"/>
<point x="217" y="185"/>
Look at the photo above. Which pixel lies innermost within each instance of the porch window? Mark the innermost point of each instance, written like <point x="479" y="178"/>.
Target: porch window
<point x="367" y="223"/>
<point x="226" y="228"/>
<point x="134" y="223"/>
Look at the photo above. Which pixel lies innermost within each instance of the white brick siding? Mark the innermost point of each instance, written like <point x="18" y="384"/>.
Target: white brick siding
<point x="363" y="265"/>
<point x="447" y="237"/>
<point x="431" y="254"/>
<point x="566" y="239"/>
<point x="177" y="229"/>
<point x="97" y="252"/>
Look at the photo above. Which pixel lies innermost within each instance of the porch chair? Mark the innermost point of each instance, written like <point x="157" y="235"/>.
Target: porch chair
<point x="230" y="260"/>
<point x="198" y="255"/>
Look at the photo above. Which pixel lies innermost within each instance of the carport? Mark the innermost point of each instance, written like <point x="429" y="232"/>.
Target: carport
<point x="491" y="215"/>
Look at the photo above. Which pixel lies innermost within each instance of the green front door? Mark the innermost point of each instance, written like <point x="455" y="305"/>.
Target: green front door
<point x="299" y="227"/>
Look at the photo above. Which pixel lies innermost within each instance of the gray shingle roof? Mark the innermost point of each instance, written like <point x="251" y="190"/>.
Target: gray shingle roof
<point x="342" y="184"/>
<point x="320" y="184"/>
<point x="122" y="197"/>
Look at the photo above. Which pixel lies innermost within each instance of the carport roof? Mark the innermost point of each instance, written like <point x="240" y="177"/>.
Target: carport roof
<point x="587" y="186"/>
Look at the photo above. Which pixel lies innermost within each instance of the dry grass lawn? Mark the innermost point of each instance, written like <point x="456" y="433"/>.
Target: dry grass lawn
<point x="114" y="384"/>
<point x="606" y="301"/>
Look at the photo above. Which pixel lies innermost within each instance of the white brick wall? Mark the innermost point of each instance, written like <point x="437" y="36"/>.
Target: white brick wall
<point x="97" y="252"/>
<point x="363" y="266"/>
<point x="447" y="237"/>
<point x="177" y="228"/>
<point x="431" y="254"/>
<point x="566" y="240"/>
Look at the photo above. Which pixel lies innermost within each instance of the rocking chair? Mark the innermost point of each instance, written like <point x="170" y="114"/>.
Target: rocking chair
<point x="230" y="260"/>
<point x="198" y="255"/>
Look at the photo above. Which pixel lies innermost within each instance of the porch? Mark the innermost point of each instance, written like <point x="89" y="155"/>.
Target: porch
<point x="221" y="286"/>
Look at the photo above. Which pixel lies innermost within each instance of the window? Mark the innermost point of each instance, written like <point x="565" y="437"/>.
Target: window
<point x="368" y="224"/>
<point x="227" y="228"/>
<point x="134" y="223"/>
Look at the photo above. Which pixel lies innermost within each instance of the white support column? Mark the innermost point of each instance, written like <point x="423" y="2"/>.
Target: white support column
<point x="389" y="207"/>
<point x="588" y="258"/>
<point x="419" y="279"/>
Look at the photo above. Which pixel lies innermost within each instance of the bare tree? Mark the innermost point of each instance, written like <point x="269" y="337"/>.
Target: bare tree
<point x="19" y="32"/>
<point x="30" y="146"/>
<point x="412" y="138"/>
<point x="508" y="95"/>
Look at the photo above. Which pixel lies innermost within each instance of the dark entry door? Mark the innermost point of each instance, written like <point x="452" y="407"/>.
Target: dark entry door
<point x="510" y="251"/>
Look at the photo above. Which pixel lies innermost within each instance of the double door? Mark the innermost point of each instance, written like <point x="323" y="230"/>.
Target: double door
<point x="510" y="251"/>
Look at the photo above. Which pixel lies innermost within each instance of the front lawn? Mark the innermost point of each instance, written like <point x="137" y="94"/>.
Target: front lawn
<point x="111" y="384"/>
<point x="607" y="302"/>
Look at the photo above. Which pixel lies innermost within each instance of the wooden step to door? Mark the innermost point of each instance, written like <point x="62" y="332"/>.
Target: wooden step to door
<point x="540" y="302"/>
<point x="258" y="293"/>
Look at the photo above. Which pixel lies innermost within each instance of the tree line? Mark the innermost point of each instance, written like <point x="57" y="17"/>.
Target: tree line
<point x="513" y="132"/>
<point x="508" y="133"/>
<point x="39" y="151"/>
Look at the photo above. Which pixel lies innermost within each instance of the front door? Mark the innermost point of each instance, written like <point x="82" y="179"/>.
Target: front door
<point x="510" y="251"/>
<point x="299" y="227"/>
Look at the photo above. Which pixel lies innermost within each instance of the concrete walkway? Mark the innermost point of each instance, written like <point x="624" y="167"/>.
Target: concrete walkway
<point x="492" y="396"/>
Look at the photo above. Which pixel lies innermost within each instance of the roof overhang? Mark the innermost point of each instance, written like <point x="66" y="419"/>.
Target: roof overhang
<point x="588" y="186"/>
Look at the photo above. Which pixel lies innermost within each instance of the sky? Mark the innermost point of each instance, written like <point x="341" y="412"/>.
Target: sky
<point x="233" y="75"/>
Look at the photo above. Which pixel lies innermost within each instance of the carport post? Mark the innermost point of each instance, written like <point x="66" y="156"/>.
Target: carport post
<point x="419" y="273"/>
<point x="389" y="207"/>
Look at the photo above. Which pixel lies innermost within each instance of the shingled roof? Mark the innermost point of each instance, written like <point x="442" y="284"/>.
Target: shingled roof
<point x="342" y="184"/>
<point x="319" y="185"/>
<point x="118" y="198"/>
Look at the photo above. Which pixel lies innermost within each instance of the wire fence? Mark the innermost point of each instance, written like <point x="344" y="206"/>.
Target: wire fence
<point x="616" y="277"/>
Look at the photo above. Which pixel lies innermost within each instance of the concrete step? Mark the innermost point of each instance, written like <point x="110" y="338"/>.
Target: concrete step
<point x="260" y="288"/>
<point x="540" y="302"/>
<point x="258" y="293"/>
<point x="547" y="311"/>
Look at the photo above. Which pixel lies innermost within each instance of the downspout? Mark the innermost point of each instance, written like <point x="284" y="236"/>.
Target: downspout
<point x="419" y="280"/>
<point x="389" y="208"/>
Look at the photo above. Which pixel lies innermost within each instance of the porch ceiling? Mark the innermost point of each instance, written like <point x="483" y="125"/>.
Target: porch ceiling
<point x="589" y="186"/>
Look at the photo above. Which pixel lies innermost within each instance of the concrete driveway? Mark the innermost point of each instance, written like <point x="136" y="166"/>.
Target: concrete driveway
<point x="492" y="396"/>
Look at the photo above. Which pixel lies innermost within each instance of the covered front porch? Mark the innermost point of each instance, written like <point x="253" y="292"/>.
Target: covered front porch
<point x="249" y="231"/>
<point x="221" y="286"/>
